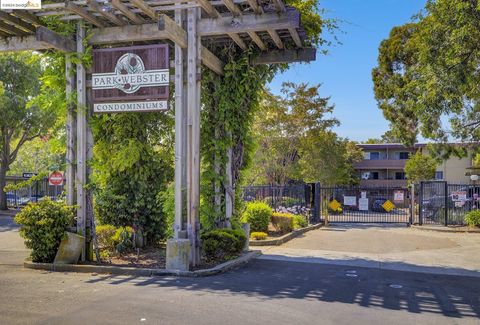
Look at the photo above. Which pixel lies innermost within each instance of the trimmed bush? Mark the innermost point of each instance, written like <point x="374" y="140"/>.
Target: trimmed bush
<point x="282" y="222"/>
<point x="473" y="218"/>
<point x="257" y="214"/>
<point x="258" y="235"/>
<point x="123" y="239"/>
<point x="105" y="235"/>
<point x="221" y="244"/>
<point x="43" y="227"/>
<point x="299" y="221"/>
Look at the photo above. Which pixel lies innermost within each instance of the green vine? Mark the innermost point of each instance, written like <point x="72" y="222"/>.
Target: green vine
<point x="229" y="103"/>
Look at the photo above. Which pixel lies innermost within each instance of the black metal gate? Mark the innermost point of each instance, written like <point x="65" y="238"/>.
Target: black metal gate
<point x="365" y="204"/>
<point x="443" y="203"/>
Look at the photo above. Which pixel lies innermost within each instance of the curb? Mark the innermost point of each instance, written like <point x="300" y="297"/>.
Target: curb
<point x="283" y="239"/>
<point x="125" y="270"/>
<point x="446" y="229"/>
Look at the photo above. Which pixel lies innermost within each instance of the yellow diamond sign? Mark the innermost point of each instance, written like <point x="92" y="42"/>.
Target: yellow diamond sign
<point x="388" y="206"/>
<point x="334" y="205"/>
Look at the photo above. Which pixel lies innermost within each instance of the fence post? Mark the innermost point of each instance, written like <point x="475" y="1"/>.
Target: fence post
<point x="446" y="203"/>
<point x="317" y="202"/>
<point x="420" y="205"/>
<point x="36" y="191"/>
<point x="412" y="203"/>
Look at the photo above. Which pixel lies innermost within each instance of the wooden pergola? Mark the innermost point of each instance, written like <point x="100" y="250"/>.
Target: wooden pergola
<point x="197" y="30"/>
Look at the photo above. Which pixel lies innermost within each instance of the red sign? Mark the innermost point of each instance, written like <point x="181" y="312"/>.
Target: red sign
<point x="55" y="178"/>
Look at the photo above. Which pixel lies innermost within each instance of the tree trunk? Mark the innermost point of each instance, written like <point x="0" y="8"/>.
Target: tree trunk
<point x="3" y="195"/>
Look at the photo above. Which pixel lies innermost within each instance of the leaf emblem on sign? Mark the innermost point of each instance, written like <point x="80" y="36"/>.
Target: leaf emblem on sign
<point x="129" y="63"/>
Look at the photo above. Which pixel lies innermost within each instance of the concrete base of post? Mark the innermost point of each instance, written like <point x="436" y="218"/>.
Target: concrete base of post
<point x="178" y="253"/>
<point x="246" y="230"/>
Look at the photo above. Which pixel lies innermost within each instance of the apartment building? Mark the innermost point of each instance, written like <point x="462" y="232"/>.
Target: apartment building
<point x="384" y="165"/>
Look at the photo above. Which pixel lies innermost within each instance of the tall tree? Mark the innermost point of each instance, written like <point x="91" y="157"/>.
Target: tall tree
<point x="427" y="73"/>
<point x="295" y="140"/>
<point x="22" y="118"/>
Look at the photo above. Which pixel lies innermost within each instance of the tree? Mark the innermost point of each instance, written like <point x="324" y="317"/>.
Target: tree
<point x="22" y="118"/>
<point x="428" y="73"/>
<point x="388" y="137"/>
<point x="328" y="159"/>
<point x="282" y="124"/>
<point x="420" y="167"/>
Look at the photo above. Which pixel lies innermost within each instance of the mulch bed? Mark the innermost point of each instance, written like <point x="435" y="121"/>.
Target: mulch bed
<point x="150" y="258"/>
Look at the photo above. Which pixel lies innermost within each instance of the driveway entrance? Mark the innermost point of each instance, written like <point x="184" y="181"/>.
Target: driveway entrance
<point x="386" y="247"/>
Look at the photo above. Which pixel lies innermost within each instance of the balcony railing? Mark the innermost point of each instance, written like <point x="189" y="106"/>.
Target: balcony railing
<point x="381" y="164"/>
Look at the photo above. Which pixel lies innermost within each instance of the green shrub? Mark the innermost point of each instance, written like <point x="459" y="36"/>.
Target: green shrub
<point x="105" y="235"/>
<point x="43" y="226"/>
<point x="282" y="222"/>
<point x="258" y="235"/>
<point x="220" y="244"/>
<point x="257" y="214"/>
<point x="299" y="221"/>
<point x="123" y="239"/>
<point x="473" y="218"/>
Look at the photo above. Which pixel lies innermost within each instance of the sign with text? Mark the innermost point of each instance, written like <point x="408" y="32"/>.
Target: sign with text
<point x="349" y="200"/>
<point x="131" y="79"/>
<point x="20" y="4"/>
<point x="55" y="178"/>
<point x="398" y="196"/>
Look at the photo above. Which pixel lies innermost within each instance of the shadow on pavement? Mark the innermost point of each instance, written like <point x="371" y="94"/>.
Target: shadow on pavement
<point x="7" y="224"/>
<point x="451" y="296"/>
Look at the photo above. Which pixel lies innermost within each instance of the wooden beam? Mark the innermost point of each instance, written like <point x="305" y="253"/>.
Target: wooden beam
<point x="27" y="16"/>
<point x="175" y="33"/>
<point x="71" y="131"/>
<point x="276" y="39"/>
<point x="42" y="40"/>
<point x="107" y="14"/>
<point x="137" y="33"/>
<point x="55" y="40"/>
<point x="296" y="37"/>
<point x="11" y="29"/>
<point x="73" y="8"/>
<point x="249" y="23"/>
<point x="232" y="7"/>
<point x="3" y="34"/>
<point x="286" y="56"/>
<point x="257" y="40"/>
<point x="126" y="11"/>
<point x="209" y="9"/>
<point x="211" y="61"/>
<point x="238" y="40"/>
<point x="258" y="10"/>
<point x="146" y="9"/>
<point x="17" y="22"/>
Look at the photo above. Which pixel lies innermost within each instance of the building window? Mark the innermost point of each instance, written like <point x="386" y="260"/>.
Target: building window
<point x="374" y="155"/>
<point x="400" y="175"/>
<point x="374" y="175"/>
<point x="403" y="155"/>
<point x="439" y="175"/>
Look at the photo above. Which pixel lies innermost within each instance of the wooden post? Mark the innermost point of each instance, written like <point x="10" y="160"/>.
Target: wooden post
<point x="81" y="137"/>
<point x="71" y="130"/>
<point x="193" y="138"/>
<point x="180" y="132"/>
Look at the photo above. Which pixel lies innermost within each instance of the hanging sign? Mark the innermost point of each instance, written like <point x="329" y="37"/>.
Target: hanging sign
<point x="349" y="200"/>
<point x="131" y="79"/>
<point x="55" y="178"/>
<point x="363" y="204"/>
<point x="398" y="196"/>
<point x="459" y="196"/>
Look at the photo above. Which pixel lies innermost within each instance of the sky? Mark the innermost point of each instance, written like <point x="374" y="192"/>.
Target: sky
<point x="345" y="73"/>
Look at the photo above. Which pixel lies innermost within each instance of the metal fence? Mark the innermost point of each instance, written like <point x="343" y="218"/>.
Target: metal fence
<point x="445" y="203"/>
<point x="296" y="199"/>
<point x="31" y="193"/>
<point x="365" y="204"/>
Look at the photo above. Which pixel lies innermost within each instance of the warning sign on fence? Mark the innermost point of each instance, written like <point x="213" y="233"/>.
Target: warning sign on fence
<point x="398" y="196"/>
